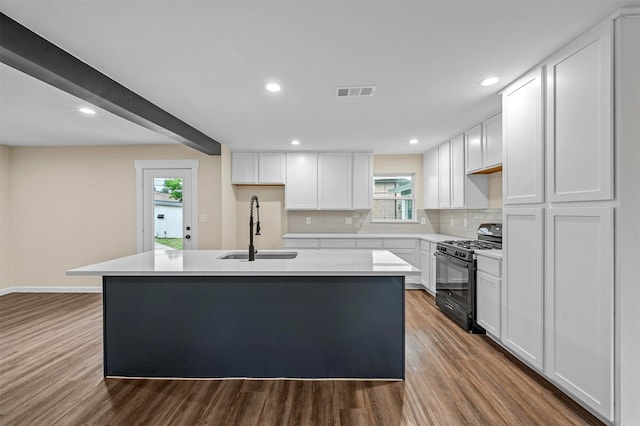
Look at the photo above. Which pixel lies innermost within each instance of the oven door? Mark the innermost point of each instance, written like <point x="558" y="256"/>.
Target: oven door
<point x="454" y="279"/>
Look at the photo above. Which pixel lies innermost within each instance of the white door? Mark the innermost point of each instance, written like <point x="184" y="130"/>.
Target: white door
<point x="166" y="209"/>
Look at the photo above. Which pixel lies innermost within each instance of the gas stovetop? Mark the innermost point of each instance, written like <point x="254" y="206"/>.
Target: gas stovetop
<point x="489" y="238"/>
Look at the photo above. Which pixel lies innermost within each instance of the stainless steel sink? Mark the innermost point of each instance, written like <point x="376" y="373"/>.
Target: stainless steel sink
<point x="260" y="255"/>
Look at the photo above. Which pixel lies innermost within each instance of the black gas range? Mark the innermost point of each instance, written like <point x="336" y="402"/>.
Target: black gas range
<point x="456" y="274"/>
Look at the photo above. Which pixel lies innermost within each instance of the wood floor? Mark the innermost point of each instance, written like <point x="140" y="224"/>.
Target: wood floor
<point x="51" y="374"/>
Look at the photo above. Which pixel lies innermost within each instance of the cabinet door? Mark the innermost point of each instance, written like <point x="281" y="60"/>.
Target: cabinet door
<point x="579" y="300"/>
<point x="362" y="180"/>
<point x="458" y="174"/>
<point x="579" y="119"/>
<point x="425" y="264"/>
<point x="522" y="131"/>
<point x="522" y="298"/>
<point x="431" y="179"/>
<point x="244" y="167"/>
<point x="301" y="188"/>
<point x="474" y="149"/>
<point x="271" y="167"/>
<point x="444" y="173"/>
<point x="492" y="142"/>
<point x="334" y="180"/>
<point x="432" y="268"/>
<point x="488" y="303"/>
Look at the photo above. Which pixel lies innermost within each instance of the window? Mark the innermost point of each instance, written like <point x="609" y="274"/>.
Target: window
<point x="393" y="198"/>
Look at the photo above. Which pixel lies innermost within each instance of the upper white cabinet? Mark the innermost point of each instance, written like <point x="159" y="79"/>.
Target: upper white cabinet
<point x="579" y="304"/>
<point x="522" y="136"/>
<point x="445" y="178"/>
<point x="457" y="172"/>
<point x="522" y="298"/>
<point x="301" y="189"/>
<point x="492" y="142"/>
<point x="257" y="168"/>
<point x="334" y="180"/>
<point x="484" y="146"/>
<point x="444" y="175"/>
<point x="579" y="119"/>
<point x="474" y="160"/>
<point x="431" y="179"/>
<point x="362" y="180"/>
<point x="328" y="181"/>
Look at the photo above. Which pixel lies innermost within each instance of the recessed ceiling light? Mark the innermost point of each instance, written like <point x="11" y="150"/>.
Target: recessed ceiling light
<point x="87" y="111"/>
<point x="295" y="142"/>
<point x="413" y="141"/>
<point x="490" y="81"/>
<point x="273" y="87"/>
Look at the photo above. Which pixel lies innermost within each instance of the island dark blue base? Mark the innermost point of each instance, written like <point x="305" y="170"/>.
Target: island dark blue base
<point x="262" y="327"/>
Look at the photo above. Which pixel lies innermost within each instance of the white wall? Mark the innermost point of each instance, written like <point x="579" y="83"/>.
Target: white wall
<point x="77" y="205"/>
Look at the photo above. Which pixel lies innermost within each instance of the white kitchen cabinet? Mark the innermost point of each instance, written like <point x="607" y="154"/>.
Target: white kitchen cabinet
<point x="432" y="268"/>
<point x="579" y="119"/>
<point x="425" y="267"/>
<point x="522" y="299"/>
<point x="334" y="180"/>
<point x="474" y="157"/>
<point x="244" y="167"/>
<point x="579" y="304"/>
<point x="444" y="175"/>
<point x="458" y="174"/>
<point x="522" y="148"/>
<point x="492" y="142"/>
<point x="362" y="180"/>
<point x="430" y="172"/>
<point x="301" y="188"/>
<point x="338" y="243"/>
<point x="488" y="293"/>
<point x="254" y="168"/>
<point x="271" y="167"/>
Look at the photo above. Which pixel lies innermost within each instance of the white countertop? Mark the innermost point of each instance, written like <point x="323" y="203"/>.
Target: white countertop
<point x="434" y="238"/>
<point x="494" y="254"/>
<point x="208" y="263"/>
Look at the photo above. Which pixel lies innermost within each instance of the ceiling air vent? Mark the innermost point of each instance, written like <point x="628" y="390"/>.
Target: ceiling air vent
<point x="355" y="91"/>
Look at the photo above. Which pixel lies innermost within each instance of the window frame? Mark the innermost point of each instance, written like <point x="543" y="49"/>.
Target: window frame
<point x="412" y="198"/>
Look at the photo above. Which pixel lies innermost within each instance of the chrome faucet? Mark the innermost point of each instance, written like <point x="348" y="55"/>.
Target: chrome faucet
<point x="252" y="249"/>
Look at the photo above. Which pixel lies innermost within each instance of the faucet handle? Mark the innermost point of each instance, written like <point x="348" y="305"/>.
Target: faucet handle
<point x="258" y="228"/>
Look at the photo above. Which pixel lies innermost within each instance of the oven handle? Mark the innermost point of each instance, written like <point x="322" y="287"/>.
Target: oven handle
<point x="457" y="262"/>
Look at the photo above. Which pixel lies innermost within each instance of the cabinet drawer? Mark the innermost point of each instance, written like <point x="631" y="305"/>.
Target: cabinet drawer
<point x="490" y="266"/>
<point x="302" y="243"/>
<point x="337" y="243"/>
<point x="369" y="243"/>
<point x="407" y="243"/>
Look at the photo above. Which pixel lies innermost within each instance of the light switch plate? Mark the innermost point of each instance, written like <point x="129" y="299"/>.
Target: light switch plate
<point x="307" y="220"/>
<point x="451" y="221"/>
<point x="422" y="221"/>
<point x="203" y="218"/>
<point x="464" y="222"/>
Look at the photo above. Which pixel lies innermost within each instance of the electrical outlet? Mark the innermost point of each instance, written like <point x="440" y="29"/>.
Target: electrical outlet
<point x="451" y="221"/>
<point x="347" y="220"/>
<point x="307" y="220"/>
<point x="464" y="222"/>
<point x="422" y="221"/>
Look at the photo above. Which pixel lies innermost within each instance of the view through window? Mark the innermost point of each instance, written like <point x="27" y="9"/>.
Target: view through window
<point x="167" y="204"/>
<point x="393" y="198"/>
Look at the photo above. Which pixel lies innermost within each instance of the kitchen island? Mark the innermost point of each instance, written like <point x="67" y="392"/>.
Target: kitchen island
<point x="192" y="314"/>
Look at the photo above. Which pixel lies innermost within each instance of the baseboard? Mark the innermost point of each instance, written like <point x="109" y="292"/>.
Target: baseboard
<point x="47" y="289"/>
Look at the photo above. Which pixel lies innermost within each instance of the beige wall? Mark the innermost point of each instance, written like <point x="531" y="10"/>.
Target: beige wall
<point x="495" y="190"/>
<point x="273" y="219"/>
<point x="228" y="202"/>
<point x="77" y="205"/>
<point x="6" y="253"/>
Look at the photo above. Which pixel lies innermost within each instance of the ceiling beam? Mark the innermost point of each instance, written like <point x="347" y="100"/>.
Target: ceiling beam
<point x="26" y="51"/>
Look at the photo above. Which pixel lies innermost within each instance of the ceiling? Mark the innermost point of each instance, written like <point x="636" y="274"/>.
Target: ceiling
<point x="207" y="62"/>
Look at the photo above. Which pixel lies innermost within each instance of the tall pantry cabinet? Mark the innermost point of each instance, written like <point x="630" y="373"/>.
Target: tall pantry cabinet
<point x="558" y="219"/>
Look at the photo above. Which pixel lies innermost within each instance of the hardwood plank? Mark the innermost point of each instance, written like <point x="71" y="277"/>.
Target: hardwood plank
<point x="51" y="373"/>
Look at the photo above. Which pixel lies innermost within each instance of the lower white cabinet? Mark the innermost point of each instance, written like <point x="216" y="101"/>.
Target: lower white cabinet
<point x="432" y="268"/>
<point x="579" y="304"/>
<point x="425" y="266"/>
<point x="522" y="298"/>
<point x="488" y="282"/>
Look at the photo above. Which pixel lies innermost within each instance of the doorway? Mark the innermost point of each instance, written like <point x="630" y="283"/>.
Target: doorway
<point x="167" y="205"/>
